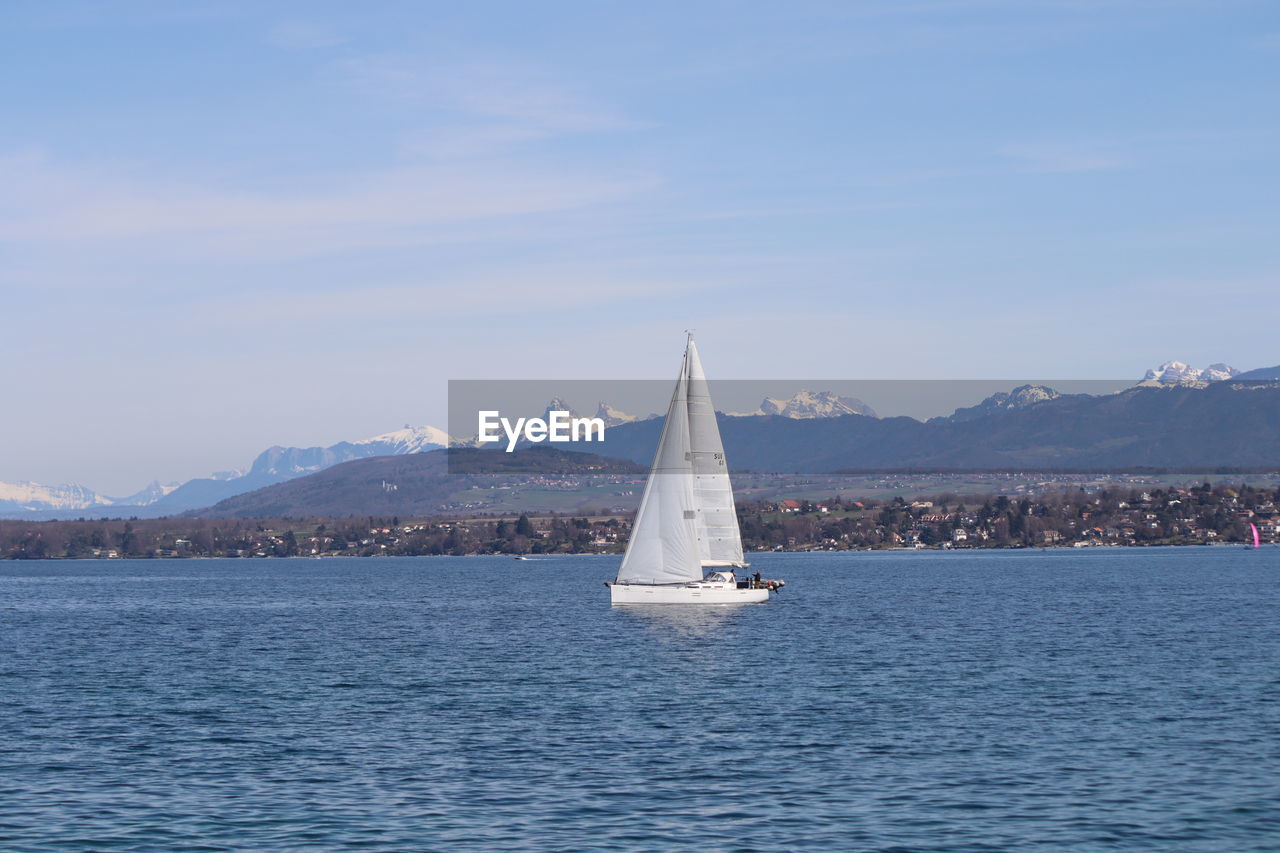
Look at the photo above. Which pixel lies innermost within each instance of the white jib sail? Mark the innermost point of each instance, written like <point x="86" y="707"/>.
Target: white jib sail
<point x="719" y="540"/>
<point x="664" y="539"/>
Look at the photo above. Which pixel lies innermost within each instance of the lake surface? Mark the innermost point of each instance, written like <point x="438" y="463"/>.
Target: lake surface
<point x="1121" y="699"/>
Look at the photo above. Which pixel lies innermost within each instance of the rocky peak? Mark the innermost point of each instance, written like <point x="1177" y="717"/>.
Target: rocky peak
<point x="612" y="416"/>
<point x="1002" y="401"/>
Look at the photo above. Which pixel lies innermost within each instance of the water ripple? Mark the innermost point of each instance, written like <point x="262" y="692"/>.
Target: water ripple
<point x="1119" y="700"/>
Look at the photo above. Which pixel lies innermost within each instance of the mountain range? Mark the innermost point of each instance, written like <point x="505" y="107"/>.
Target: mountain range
<point x="279" y="464"/>
<point x="1224" y="424"/>
<point x="867" y="441"/>
<point x="274" y="465"/>
<point x="1180" y="427"/>
<point x="803" y="404"/>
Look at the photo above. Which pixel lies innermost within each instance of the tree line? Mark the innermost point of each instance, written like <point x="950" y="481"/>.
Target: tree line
<point x="1065" y="516"/>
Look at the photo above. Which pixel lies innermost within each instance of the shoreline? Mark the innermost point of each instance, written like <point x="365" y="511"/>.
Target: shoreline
<point x="1244" y="546"/>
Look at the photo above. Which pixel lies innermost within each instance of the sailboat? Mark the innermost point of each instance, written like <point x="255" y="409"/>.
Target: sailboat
<point x="687" y="524"/>
<point x="1257" y="539"/>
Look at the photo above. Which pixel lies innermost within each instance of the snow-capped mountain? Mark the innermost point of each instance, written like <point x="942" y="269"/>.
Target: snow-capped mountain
<point x="1003" y="401"/>
<point x="613" y="416"/>
<point x="814" y="404"/>
<point x="277" y="464"/>
<point x="1179" y="373"/>
<point x="26" y="497"/>
<point x="411" y="439"/>
<point x="273" y="465"/>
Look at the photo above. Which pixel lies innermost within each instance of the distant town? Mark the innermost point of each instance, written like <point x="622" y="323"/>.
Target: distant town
<point x="1207" y="514"/>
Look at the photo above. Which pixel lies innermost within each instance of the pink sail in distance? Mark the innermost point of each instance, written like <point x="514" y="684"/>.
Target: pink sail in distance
<point x="1257" y="540"/>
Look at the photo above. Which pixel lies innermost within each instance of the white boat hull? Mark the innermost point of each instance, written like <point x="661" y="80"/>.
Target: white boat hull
<point x="693" y="593"/>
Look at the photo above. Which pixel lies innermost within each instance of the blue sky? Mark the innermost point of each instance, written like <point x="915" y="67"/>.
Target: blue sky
<point x="225" y="226"/>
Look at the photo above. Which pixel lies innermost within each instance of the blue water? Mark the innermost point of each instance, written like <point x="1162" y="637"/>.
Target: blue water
<point x="1059" y="700"/>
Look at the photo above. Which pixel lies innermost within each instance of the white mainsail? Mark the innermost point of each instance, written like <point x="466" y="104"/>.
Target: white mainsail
<point x="686" y="519"/>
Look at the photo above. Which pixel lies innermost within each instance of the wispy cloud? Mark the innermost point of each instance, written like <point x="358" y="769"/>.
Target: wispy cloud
<point x="462" y="173"/>
<point x="49" y="202"/>
<point x="485" y="90"/>
<point x="1064" y="156"/>
<point x="489" y="293"/>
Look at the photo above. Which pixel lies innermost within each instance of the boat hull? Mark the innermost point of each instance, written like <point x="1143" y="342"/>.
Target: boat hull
<point x="635" y="593"/>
